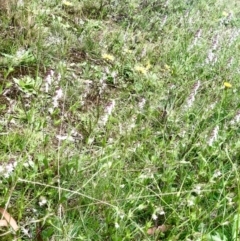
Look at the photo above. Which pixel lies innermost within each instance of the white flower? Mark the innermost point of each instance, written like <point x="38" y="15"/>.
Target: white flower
<point x="142" y="103"/>
<point x="110" y="106"/>
<point x="217" y="173"/>
<point x="57" y="97"/>
<point x="42" y="201"/>
<point x="196" y="38"/>
<point x="117" y="225"/>
<point x="191" y="201"/>
<point x="59" y="94"/>
<point x="236" y="119"/>
<point x="108" y="111"/>
<point x="154" y="216"/>
<point x="63" y="138"/>
<point x="191" y="98"/>
<point x="213" y="136"/>
<point x="49" y="80"/>
<point x="197" y="189"/>
<point x="215" y="42"/>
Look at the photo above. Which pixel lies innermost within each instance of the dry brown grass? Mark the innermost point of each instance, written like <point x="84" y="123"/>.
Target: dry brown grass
<point x="8" y="5"/>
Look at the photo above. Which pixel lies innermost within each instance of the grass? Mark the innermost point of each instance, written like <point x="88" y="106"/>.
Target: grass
<point x="116" y="123"/>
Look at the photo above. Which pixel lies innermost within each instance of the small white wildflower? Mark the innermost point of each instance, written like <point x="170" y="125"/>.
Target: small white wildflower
<point x="141" y="103"/>
<point x="55" y="102"/>
<point x="215" y="42"/>
<point x="50" y="110"/>
<point x="90" y="140"/>
<point x="29" y="163"/>
<point x="116" y="225"/>
<point x="213" y="136"/>
<point x="42" y="201"/>
<point x="212" y="106"/>
<point x="102" y="87"/>
<point x="120" y="214"/>
<point x="81" y="21"/>
<point x="190" y="101"/>
<point x="49" y="80"/>
<point x="160" y="211"/>
<point x="107" y="165"/>
<point x="34" y="210"/>
<point x="76" y="135"/>
<point x="233" y="36"/>
<point x="132" y="124"/>
<point x="114" y="74"/>
<point x="63" y="138"/>
<point x="146" y="176"/>
<point x="59" y="93"/>
<point x="104" y="120"/>
<point x="88" y="84"/>
<point x="230" y="202"/>
<point x="108" y="111"/>
<point x="20" y="3"/>
<point x="53" y="40"/>
<point x="154" y="216"/>
<point x="230" y="197"/>
<point x="197" y="189"/>
<point x="9" y="168"/>
<point x="58" y="77"/>
<point x="191" y="201"/>
<point x="110" y="106"/>
<point x="20" y="53"/>
<point x="196" y="38"/>
<point x="6" y="174"/>
<point x="217" y="174"/>
<point x="211" y="58"/>
<point x="236" y="119"/>
<point x="57" y="97"/>
<point x="122" y="186"/>
<point x="141" y="206"/>
<point x="191" y="98"/>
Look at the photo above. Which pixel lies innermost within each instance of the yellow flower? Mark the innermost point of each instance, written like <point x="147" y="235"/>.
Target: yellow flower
<point x="148" y="65"/>
<point x="108" y="57"/>
<point x="67" y="3"/>
<point x="127" y="51"/>
<point x="140" y="69"/>
<point x="227" y="85"/>
<point x="225" y="14"/>
<point x="167" y="67"/>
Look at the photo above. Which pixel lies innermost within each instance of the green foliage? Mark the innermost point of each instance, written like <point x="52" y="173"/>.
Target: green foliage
<point x="119" y="120"/>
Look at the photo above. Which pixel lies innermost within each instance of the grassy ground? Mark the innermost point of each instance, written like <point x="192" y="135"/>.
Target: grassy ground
<point x="120" y="119"/>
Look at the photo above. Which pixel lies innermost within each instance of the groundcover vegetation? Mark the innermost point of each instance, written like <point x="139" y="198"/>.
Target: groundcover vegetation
<point x="119" y="120"/>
